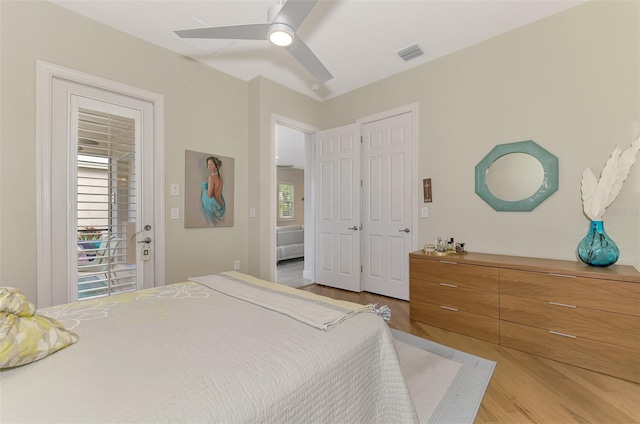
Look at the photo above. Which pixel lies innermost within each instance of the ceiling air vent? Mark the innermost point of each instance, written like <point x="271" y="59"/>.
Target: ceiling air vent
<point x="410" y="53"/>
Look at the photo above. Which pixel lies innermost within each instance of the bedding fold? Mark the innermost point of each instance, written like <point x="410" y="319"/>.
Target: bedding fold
<point x="317" y="311"/>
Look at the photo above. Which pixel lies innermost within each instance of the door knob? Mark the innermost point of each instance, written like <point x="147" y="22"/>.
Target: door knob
<point x="354" y="228"/>
<point x="406" y="230"/>
<point x="146" y="240"/>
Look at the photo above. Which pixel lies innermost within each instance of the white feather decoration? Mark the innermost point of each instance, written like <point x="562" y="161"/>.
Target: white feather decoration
<point x="603" y="189"/>
<point x="588" y="187"/>
<point x="625" y="162"/>
<point x="597" y="195"/>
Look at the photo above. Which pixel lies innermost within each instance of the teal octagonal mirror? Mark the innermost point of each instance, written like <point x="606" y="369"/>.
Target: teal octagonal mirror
<point x="517" y="176"/>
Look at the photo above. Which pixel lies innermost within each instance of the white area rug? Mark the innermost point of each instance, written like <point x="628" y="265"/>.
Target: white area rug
<point x="446" y="385"/>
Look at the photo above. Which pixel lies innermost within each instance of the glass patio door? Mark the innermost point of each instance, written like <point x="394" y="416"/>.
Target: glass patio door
<point x="100" y="149"/>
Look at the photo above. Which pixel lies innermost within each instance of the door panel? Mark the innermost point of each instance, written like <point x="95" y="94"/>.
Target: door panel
<point x="387" y="201"/>
<point x="338" y="207"/>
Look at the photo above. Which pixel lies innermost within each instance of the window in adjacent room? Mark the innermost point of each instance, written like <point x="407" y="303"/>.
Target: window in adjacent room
<point x="285" y="201"/>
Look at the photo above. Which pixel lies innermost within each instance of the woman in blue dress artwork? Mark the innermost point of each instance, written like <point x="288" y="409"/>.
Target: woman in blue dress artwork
<point x="213" y="206"/>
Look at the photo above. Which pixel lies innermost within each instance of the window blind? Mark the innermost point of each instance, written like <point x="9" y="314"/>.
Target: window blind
<point x="285" y="201"/>
<point x="106" y="201"/>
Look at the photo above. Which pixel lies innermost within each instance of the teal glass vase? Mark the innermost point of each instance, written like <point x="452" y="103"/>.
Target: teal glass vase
<point x="597" y="248"/>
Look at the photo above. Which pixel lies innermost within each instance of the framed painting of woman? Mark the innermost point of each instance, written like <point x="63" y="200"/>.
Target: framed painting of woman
<point x="208" y="190"/>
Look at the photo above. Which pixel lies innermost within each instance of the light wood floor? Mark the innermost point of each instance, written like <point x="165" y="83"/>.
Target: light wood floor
<point x="290" y="272"/>
<point x="524" y="388"/>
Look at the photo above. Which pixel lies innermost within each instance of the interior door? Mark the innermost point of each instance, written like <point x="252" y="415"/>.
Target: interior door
<point x="387" y="198"/>
<point x="103" y="178"/>
<point x="337" y="200"/>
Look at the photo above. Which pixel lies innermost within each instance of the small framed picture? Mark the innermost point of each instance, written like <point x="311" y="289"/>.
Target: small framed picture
<point x="426" y="185"/>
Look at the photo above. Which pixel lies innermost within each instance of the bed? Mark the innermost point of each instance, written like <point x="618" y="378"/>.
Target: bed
<point x="223" y="348"/>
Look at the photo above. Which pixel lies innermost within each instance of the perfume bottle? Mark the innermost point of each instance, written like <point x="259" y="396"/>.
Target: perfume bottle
<point x="450" y="245"/>
<point x="439" y="244"/>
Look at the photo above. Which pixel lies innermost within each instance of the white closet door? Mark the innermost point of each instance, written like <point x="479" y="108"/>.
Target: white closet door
<point x="387" y="198"/>
<point x="337" y="200"/>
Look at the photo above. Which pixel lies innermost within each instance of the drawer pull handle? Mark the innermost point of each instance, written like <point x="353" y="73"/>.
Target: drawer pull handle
<point x="562" y="334"/>
<point x="448" y="285"/>
<point x="449" y="309"/>
<point x="449" y="262"/>
<point x="562" y="304"/>
<point x="562" y="275"/>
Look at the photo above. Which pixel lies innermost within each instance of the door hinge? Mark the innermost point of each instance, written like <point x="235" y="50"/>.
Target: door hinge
<point x="361" y="269"/>
<point x="360" y="139"/>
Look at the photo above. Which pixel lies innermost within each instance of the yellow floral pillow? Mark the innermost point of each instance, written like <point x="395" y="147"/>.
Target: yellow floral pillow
<point x="24" y="336"/>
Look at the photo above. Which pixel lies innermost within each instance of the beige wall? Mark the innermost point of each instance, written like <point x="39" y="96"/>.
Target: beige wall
<point x="267" y="99"/>
<point x="205" y="110"/>
<point x="569" y="82"/>
<point x="295" y="177"/>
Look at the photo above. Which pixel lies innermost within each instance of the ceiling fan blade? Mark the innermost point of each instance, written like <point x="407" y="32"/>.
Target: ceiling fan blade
<point x="305" y="56"/>
<point x="294" y="12"/>
<point x="235" y="32"/>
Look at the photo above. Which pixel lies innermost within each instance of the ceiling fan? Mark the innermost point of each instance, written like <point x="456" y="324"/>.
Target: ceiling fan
<point x="284" y="20"/>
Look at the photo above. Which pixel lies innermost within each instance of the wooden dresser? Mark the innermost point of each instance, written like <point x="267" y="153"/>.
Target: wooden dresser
<point x="561" y="310"/>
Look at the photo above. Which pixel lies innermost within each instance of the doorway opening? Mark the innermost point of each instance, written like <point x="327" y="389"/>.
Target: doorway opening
<point x="292" y="149"/>
<point x="291" y="176"/>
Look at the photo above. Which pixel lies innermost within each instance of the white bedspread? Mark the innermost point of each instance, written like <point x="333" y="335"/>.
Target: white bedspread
<point x="186" y="353"/>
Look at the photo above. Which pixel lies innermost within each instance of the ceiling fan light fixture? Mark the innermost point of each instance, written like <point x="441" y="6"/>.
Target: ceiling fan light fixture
<point x="281" y="35"/>
<point x="284" y="19"/>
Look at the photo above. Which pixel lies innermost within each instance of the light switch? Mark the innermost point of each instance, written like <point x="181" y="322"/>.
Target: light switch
<point x="175" y="189"/>
<point x="252" y="212"/>
<point x="425" y="212"/>
<point x="175" y="213"/>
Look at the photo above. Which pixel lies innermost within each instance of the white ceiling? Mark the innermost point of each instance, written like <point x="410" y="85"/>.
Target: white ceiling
<point x="355" y="39"/>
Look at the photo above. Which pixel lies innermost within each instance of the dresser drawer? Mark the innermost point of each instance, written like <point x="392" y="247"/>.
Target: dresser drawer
<point x="608" y="327"/>
<point x="478" y="326"/>
<point x="609" y="359"/>
<point x="463" y="299"/>
<point x="591" y="293"/>
<point x="451" y="272"/>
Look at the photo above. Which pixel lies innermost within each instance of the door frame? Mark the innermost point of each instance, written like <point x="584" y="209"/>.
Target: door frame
<point x="415" y="187"/>
<point x="45" y="74"/>
<point x="309" y="217"/>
